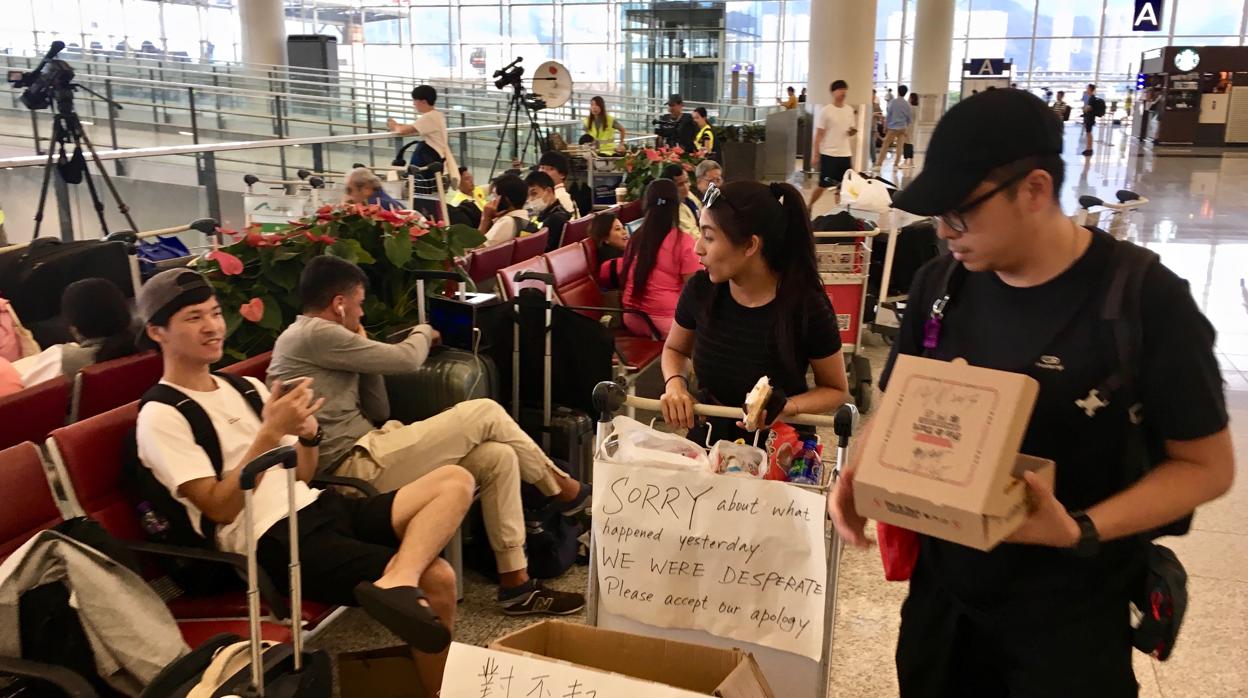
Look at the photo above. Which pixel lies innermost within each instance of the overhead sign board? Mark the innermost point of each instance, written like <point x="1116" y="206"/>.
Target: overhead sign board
<point x="984" y="66"/>
<point x="1147" y="17"/>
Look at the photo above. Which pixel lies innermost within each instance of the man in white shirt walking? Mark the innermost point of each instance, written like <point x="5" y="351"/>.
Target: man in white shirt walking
<point x="431" y="125"/>
<point x="834" y="133"/>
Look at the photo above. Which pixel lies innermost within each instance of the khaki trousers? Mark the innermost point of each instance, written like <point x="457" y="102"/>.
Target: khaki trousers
<point x="893" y="136"/>
<point x="478" y="435"/>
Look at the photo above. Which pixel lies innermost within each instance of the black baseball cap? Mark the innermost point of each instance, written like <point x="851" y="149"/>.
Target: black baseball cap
<point x="975" y="137"/>
<point x="674" y="99"/>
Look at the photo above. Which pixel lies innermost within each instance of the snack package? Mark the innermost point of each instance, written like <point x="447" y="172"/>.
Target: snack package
<point x="783" y="445"/>
<point x="728" y="458"/>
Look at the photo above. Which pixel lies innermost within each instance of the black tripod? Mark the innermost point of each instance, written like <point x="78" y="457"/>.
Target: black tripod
<point x="517" y="105"/>
<point x="67" y="130"/>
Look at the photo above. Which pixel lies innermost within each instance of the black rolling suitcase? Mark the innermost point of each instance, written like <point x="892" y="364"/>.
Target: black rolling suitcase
<point x="288" y="671"/>
<point x="565" y="434"/>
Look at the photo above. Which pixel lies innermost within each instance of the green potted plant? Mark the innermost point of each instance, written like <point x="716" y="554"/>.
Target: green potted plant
<point x="644" y="165"/>
<point x="256" y="277"/>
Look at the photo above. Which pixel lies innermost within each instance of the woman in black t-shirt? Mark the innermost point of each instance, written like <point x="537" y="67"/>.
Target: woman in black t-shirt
<point x="758" y="309"/>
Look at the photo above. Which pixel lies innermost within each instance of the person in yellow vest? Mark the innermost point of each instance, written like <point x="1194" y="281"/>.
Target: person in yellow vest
<point x="467" y="190"/>
<point x="600" y="124"/>
<point x="705" y="138"/>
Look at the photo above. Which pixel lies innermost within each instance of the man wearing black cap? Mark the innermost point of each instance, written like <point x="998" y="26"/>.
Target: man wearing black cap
<point x="1131" y="408"/>
<point x="676" y="127"/>
<point x="378" y="552"/>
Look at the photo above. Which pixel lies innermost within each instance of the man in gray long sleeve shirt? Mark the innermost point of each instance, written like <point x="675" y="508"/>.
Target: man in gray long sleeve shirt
<point x="328" y="343"/>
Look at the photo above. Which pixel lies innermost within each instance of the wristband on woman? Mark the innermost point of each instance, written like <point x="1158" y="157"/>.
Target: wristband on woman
<point x="670" y="378"/>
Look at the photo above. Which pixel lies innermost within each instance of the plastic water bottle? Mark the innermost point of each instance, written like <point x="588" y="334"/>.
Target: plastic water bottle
<point x="807" y="468"/>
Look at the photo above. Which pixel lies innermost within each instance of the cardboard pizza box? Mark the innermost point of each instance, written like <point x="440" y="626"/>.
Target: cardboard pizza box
<point x="942" y="457"/>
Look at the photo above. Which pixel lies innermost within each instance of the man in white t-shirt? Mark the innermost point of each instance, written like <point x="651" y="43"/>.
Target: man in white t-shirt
<point x="834" y="135"/>
<point x="504" y="217"/>
<point x="378" y="552"/>
<point x="431" y="125"/>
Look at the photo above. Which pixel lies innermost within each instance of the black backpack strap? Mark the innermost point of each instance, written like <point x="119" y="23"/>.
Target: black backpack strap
<point x="247" y="388"/>
<point x="201" y="425"/>
<point x="1123" y="315"/>
<point x="952" y="277"/>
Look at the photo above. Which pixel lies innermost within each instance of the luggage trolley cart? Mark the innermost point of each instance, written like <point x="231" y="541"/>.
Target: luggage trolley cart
<point x="844" y="260"/>
<point x="286" y="201"/>
<point x="790" y="675"/>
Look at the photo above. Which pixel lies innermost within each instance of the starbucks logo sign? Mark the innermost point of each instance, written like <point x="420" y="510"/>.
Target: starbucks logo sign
<point x="1186" y="60"/>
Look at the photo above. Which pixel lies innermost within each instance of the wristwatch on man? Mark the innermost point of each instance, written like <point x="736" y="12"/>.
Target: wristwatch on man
<point x="316" y="439"/>
<point x="1089" y="538"/>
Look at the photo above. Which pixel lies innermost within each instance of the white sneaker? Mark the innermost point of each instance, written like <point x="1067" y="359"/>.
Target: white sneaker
<point x="905" y="166"/>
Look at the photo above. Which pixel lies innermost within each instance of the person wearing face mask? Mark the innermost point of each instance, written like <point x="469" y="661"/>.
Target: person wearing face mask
<point x="328" y="343"/>
<point x="545" y="207"/>
<point x="505" y="217"/>
<point x="758" y="309"/>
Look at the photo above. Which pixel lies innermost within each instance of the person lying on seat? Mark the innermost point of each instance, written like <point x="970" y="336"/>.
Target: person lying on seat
<point x="328" y="343"/>
<point x="379" y="552"/>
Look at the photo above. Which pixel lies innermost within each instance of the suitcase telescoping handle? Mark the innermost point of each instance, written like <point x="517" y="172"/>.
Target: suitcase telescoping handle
<point x="421" y="277"/>
<point x="287" y="458"/>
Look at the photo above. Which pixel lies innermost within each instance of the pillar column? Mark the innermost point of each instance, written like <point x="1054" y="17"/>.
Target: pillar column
<point x="933" y="48"/>
<point x="264" y="31"/>
<point x="842" y="47"/>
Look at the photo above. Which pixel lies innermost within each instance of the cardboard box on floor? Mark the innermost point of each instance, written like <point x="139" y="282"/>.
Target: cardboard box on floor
<point x="389" y="672"/>
<point x="942" y="457"/>
<point x="728" y="673"/>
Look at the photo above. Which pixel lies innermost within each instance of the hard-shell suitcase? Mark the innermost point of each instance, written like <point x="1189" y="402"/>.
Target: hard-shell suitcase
<point x="564" y="433"/>
<point x="448" y="377"/>
<point x="284" y="670"/>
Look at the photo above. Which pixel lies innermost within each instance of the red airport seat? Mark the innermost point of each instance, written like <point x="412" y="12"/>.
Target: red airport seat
<point x="109" y="384"/>
<point x="487" y="261"/>
<point x="527" y="247"/>
<point x="32" y="414"/>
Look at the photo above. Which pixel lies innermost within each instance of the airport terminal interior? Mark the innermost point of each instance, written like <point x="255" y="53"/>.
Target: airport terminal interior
<point x="457" y="207"/>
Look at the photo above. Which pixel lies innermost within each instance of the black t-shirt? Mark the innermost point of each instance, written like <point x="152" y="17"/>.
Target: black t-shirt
<point x="1054" y="333"/>
<point x="553" y="217"/>
<point x="734" y="345"/>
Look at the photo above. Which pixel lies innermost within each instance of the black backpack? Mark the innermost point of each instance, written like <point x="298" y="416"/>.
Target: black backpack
<point x="1123" y="319"/>
<point x="1098" y="107"/>
<point x="165" y="520"/>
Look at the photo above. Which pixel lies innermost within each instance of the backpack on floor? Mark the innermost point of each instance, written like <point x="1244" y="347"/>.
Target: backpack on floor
<point x="164" y="519"/>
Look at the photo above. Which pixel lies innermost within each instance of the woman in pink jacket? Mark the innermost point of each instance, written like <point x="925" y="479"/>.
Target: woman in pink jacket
<point x="658" y="260"/>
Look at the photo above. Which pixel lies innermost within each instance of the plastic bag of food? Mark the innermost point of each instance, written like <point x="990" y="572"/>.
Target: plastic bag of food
<point x="639" y="444"/>
<point x="729" y="458"/>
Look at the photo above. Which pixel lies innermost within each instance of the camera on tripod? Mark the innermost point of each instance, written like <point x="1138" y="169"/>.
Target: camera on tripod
<point x="49" y="81"/>
<point x="509" y="75"/>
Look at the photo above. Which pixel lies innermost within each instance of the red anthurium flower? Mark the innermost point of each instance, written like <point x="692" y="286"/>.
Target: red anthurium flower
<point x="230" y="265"/>
<point x="232" y="233"/>
<point x="313" y="237"/>
<point x="678" y="150"/>
<point x="252" y="310"/>
<point x="324" y="210"/>
<point x="653" y="155"/>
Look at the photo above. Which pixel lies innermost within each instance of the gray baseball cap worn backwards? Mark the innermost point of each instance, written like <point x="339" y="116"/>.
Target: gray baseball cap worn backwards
<point x="975" y="137"/>
<point x="168" y="292"/>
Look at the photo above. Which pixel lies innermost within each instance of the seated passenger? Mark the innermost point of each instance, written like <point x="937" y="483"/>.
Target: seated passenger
<point x="690" y="207"/>
<point x="657" y="262"/>
<point x="555" y="165"/>
<point x="99" y="319"/>
<point x="328" y="343"/>
<point x="550" y="213"/>
<point x="364" y="188"/>
<point x="758" y="309"/>
<point x="504" y="217"/>
<point x="610" y="238"/>
<point x="380" y="552"/>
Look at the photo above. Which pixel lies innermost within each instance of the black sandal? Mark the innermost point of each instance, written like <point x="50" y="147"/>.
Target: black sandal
<point x="401" y="611"/>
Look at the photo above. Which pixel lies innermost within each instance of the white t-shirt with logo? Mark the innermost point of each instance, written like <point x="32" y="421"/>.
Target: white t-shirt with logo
<point x="167" y="446"/>
<point x="506" y="227"/>
<point x="836" y="122"/>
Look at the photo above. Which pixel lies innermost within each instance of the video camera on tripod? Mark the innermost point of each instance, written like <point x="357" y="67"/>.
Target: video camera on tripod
<point x="51" y="85"/>
<point x="51" y="80"/>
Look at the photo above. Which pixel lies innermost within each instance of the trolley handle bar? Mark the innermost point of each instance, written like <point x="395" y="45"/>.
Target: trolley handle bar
<point x="847" y="234"/>
<point x="814" y="420"/>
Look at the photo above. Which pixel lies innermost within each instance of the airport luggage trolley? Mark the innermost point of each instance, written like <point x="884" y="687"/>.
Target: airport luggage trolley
<point x="844" y="260"/>
<point x="280" y="202"/>
<point x="790" y="675"/>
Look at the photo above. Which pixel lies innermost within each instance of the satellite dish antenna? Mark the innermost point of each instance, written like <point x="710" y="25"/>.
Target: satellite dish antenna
<point x="553" y="83"/>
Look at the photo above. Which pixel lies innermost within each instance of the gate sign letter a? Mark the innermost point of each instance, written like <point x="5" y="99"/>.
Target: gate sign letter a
<point x="1147" y="16"/>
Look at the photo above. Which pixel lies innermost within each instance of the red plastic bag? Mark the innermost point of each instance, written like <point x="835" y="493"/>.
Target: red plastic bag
<point x="899" y="549"/>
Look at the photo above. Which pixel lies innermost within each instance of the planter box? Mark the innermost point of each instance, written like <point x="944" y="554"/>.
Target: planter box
<point x="744" y="161"/>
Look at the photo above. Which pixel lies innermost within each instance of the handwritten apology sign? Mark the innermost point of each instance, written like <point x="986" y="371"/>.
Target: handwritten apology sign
<point x="739" y="558"/>
<point x="476" y="672"/>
